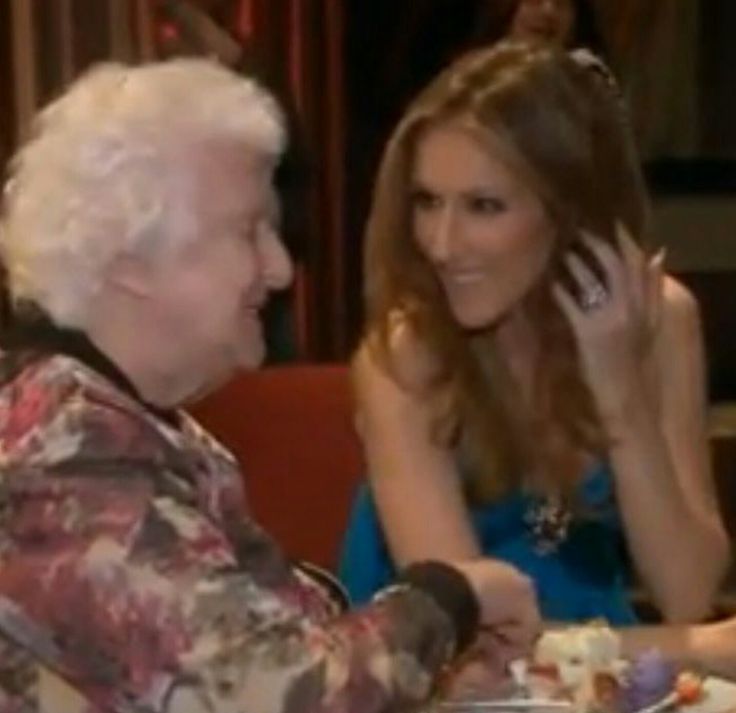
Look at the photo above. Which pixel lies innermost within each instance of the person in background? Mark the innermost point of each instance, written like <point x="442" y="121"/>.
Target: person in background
<point x="139" y="250"/>
<point x="565" y="24"/>
<point x="530" y="383"/>
<point x="569" y="25"/>
<point x="431" y="39"/>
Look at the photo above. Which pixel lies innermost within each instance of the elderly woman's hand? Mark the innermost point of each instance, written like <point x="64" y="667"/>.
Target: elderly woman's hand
<point x="509" y="615"/>
<point x="479" y="673"/>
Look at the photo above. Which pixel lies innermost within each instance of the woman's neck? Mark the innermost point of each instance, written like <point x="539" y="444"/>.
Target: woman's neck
<point x="518" y="348"/>
<point x="134" y="349"/>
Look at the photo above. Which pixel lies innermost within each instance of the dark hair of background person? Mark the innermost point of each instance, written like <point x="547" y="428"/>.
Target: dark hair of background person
<point x="493" y="21"/>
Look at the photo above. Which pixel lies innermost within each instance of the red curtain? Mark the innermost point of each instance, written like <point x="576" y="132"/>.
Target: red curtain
<point x="297" y="44"/>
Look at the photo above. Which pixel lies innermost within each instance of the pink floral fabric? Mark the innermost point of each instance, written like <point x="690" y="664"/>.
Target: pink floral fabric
<point x="133" y="579"/>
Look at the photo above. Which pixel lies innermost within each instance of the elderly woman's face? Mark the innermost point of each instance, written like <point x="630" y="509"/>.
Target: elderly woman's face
<point x="483" y="229"/>
<point x="211" y="295"/>
<point x="549" y="21"/>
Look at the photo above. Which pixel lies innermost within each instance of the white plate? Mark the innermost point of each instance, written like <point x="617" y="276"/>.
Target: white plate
<point x="518" y="705"/>
<point x="721" y="698"/>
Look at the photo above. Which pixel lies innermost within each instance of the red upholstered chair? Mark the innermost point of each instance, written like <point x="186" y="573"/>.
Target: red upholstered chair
<point x="291" y="428"/>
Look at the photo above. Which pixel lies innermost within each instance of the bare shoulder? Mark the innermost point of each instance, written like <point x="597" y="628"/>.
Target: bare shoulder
<point x="680" y="313"/>
<point x="677" y="362"/>
<point x="678" y="338"/>
<point x="407" y="360"/>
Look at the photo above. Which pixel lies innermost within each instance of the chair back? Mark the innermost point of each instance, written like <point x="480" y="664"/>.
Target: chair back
<point x="291" y="428"/>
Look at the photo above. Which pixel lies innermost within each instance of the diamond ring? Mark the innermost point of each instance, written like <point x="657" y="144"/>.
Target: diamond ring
<point x="593" y="297"/>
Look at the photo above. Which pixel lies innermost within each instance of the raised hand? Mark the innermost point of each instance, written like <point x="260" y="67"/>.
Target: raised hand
<point x="614" y="316"/>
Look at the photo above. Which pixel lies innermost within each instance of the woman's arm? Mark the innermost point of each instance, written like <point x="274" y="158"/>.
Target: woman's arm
<point x="139" y="602"/>
<point x="654" y="420"/>
<point x="706" y="646"/>
<point x="663" y="477"/>
<point x="414" y="481"/>
<point x="115" y="578"/>
<point x="123" y="572"/>
<point x="416" y="484"/>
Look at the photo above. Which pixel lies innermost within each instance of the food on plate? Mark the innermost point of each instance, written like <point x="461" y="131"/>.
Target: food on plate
<point x="583" y="664"/>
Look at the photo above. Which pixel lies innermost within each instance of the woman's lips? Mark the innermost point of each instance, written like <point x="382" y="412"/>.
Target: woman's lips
<point x="463" y="277"/>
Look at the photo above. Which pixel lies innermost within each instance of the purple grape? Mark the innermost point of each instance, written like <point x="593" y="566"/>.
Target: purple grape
<point x="649" y="679"/>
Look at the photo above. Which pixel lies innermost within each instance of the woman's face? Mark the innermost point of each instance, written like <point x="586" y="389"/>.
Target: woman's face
<point x="548" y="21"/>
<point x="209" y="296"/>
<point x="483" y="229"/>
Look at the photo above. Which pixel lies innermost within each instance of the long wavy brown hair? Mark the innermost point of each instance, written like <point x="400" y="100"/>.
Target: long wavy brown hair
<point x="564" y="129"/>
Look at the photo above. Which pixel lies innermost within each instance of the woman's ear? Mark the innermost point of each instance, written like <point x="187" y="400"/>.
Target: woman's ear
<point x="133" y="275"/>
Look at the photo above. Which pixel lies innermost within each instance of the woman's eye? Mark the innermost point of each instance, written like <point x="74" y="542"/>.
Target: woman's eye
<point x="486" y="205"/>
<point x="424" y="200"/>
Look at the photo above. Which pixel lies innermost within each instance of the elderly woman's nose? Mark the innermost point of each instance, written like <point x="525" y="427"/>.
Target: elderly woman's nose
<point x="276" y="265"/>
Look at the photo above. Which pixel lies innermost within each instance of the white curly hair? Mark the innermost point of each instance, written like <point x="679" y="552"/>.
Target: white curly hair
<point x="88" y="185"/>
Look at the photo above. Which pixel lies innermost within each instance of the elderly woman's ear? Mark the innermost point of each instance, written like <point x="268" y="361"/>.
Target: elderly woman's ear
<point x="132" y="275"/>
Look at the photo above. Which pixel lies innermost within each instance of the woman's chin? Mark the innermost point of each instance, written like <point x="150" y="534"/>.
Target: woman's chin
<point x="476" y="319"/>
<point x="252" y="358"/>
<point x="251" y="346"/>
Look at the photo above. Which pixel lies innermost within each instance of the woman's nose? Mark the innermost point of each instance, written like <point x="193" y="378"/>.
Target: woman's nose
<point x="444" y="234"/>
<point x="276" y="263"/>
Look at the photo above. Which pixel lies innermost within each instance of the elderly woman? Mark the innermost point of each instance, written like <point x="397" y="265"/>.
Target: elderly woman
<point x="139" y="252"/>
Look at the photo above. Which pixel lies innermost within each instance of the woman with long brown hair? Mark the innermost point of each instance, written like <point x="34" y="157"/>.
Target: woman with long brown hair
<point x="530" y="383"/>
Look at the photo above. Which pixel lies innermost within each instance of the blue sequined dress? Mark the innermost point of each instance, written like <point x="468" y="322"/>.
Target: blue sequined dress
<point x="584" y="577"/>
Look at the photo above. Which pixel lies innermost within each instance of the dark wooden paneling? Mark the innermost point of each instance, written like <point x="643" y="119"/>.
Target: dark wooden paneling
<point x="91" y="28"/>
<point x="7" y="113"/>
<point x="7" y="105"/>
<point x="718" y="97"/>
<point x="716" y="293"/>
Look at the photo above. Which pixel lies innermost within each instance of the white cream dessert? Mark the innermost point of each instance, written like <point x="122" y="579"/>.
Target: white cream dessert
<point x="583" y="664"/>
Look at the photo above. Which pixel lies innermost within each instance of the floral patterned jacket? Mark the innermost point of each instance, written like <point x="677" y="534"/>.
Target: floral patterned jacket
<point x="133" y="580"/>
